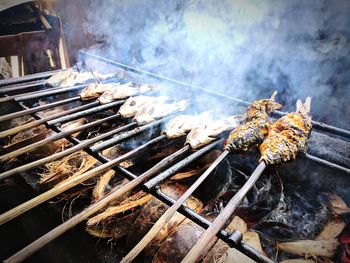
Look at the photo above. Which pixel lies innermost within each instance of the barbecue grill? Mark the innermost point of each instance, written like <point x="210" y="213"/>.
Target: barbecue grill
<point x="17" y="92"/>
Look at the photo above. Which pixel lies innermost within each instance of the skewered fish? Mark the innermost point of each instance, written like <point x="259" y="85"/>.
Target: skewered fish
<point x="59" y="77"/>
<point x="206" y="133"/>
<point x="158" y="109"/>
<point x="256" y="127"/>
<point x="133" y="104"/>
<point x="182" y="124"/>
<point x="94" y="90"/>
<point x="82" y="77"/>
<point x="124" y="91"/>
<point x="288" y="135"/>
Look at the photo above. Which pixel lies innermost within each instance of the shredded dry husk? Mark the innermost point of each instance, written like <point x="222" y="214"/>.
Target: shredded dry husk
<point x="99" y="190"/>
<point x="67" y="168"/>
<point x="136" y="200"/>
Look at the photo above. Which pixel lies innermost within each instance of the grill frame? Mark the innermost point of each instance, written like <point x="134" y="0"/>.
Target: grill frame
<point x="234" y="239"/>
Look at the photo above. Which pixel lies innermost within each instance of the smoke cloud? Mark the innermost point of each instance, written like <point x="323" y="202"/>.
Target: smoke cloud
<point x="244" y="49"/>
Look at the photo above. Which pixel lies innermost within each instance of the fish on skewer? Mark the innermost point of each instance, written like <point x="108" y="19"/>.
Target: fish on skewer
<point x="158" y="110"/>
<point x="256" y="125"/>
<point x="81" y="77"/>
<point x="133" y="104"/>
<point x="208" y="132"/>
<point x="126" y="90"/>
<point x="182" y="124"/>
<point x="288" y="135"/>
<point x="94" y="90"/>
<point x="59" y="77"/>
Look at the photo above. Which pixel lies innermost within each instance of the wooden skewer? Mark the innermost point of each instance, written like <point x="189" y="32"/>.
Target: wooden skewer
<point x="24" y="207"/>
<point x="222" y="218"/>
<point x="59" y="230"/>
<point x="170" y="212"/>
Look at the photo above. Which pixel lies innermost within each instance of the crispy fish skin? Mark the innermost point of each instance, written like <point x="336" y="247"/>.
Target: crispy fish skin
<point x="206" y="133"/>
<point x="256" y="125"/>
<point x="288" y="135"/>
<point x="158" y="110"/>
<point x="133" y="104"/>
<point x="58" y="77"/>
<point x="261" y="109"/>
<point x="94" y="90"/>
<point x="182" y="124"/>
<point x="124" y="91"/>
<point x="248" y="134"/>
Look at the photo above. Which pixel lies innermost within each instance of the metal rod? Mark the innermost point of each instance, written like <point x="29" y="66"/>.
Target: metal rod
<point x="79" y="114"/>
<point x="327" y="163"/>
<point x="224" y="215"/>
<point x="68" y="184"/>
<point x="41" y="75"/>
<point x="170" y="212"/>
<point x="318" y="125"/>
<point x="180" y="165"/>
<point x="54" y="137"/>
<point x="32" y="124"/>
<point x="59" y="230"/>
<point x="17" y="87"/>
<point x="233" y="240"/>
<point x="41" y="93"/>
<point x="103" y="145"/>
<point x="37" y="109"/>
<point x="82" y="145"/>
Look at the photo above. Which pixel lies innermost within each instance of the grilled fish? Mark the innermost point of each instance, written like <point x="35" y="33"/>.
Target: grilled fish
<point x="288" y="135"/>
<point x="125" y="91"/>
<point x="59" y="77"/>
<point x="182" y="124"/>
<point x="256" y="125"/>
<point x="133" y="104"/>
<point x="158" y="109"/>
<point x="206" y="133"/>
<point x="94" y="90"/>
<point x="81" y="77"/>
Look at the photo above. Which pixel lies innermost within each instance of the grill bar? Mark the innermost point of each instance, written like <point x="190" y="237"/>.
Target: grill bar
<point x="37" y="109"/>
<point x="64" y="186"/>
<point x="167" y="215"/>
<point x="40" y="93"/>
<point x="224" y="215"/>
<point x="27" y="78"/>
<point x="27" y="85"/>
<point x="316" y="124"/>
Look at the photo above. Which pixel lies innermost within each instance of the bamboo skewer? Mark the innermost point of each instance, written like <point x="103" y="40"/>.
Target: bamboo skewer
<point x="54" y="137"/>
<point x="171" y="211"/>
<point x="223" y="217"/>
<point x="59" y="230"/>
<point x="32" y="124"/>
<point x="82" y="145"/>
<point x="13" y="213"/>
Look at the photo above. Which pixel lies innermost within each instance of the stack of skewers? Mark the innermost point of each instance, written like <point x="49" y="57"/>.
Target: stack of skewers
<point x="279" y="142"/>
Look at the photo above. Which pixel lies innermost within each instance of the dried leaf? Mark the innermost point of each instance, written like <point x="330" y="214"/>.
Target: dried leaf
<point x="332" y="229"/>
<point x="310" y="248"/>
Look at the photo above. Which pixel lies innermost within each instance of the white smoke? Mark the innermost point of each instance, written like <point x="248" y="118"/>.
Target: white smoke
<point x="244" y="48"/>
